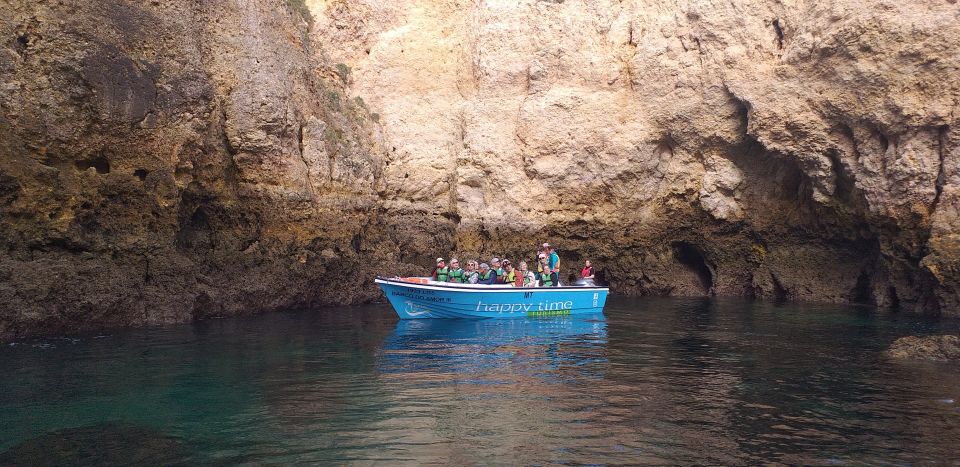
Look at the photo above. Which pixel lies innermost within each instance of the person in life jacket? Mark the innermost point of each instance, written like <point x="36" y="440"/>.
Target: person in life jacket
<point x="554" y="264"/>
<point x="587" y="272"/>
<point x="486" y="275"/>
<point x="441" y="272"/>
<point x="540" y="267"/>
<point x="511" y="276"/>
<point x="527" y="278"/>
<point x="470" y="275"/>
<point x="546" y="278"/>
<point x="456" y="273"/>
<point x="497" y="268"/>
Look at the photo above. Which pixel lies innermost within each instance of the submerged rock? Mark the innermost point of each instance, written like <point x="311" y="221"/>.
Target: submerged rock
<point x="934" y="348"/>
<point x="101" y="444"/>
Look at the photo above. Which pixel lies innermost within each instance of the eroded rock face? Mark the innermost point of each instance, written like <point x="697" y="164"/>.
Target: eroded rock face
<point x="169" y="160"/>
<point x="801" y="150"/>
<point x="931" y="348"/>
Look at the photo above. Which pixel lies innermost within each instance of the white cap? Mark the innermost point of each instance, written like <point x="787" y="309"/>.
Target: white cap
<point x="439" y="260"/>
<point x="495" y="260"/>
<point x="546" y="245"/>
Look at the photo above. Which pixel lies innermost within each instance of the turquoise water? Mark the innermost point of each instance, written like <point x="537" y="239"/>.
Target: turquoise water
<point x="654" y="381"/>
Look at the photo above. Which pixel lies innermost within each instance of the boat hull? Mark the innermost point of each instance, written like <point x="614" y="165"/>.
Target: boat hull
<point x="430" y="299"/>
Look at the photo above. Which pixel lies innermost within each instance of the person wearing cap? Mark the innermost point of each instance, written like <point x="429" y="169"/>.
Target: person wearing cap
<point x="497" y="269"/>
<point x="441" y="272"/>
<point x="471" y="276"/>
<point x="456" y="273"/>
<point x="510" y="275"/>
<point x="486" y="275"/>
<point x="553" y="264"/>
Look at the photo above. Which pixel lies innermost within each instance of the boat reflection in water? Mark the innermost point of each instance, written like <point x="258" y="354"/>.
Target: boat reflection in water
<point x="545" y="346"/>
<point x="462" y="390"/>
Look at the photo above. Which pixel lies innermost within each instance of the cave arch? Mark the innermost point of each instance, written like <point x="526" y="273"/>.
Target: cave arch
<point x="690" y="257"/>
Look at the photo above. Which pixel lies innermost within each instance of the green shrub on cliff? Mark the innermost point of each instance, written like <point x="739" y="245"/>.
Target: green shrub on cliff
<point x="300" y="6"/>
<point x="344" y="72"/>
<point x="334" y="97"/>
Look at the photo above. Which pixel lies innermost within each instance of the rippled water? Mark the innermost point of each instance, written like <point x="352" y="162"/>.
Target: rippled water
<point x="655" y="381"/>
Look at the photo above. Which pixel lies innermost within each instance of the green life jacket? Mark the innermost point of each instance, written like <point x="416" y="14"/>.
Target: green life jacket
<point x="486" y="276"/>
<point x="547" y="279"/>
<point x="526" y="279"/>
<point x="511" y="277"/>
<point x="457" y="276"/>
<point x="442" y="274"/>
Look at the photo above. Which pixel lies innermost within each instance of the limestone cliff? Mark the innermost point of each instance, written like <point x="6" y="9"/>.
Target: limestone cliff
<point x="171" y="160"/>
<point x="782" y="149"/>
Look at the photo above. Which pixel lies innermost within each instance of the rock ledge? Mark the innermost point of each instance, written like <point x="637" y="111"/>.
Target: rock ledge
<point x="933" y="348"/>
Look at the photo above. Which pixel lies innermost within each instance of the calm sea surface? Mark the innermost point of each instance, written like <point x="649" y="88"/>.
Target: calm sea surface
<point x="654" y="381"/>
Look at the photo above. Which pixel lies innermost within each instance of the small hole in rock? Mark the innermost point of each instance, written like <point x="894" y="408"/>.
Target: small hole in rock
<point x="141" y="174"/>
<point x="101" y="164"/>
<point x="778" y="28"/>
<point x="23" y="40"/>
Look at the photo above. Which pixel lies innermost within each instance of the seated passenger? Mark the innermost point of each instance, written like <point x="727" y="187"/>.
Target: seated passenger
<point x="540" y="266"/>
<point x="510" y="275"/>
<point x="441" y="272"/>
<point x="527" y="277"/>
<point x="456" y="273"/>
<point x="587" y="271"/>
<point x="546" y="278"/>
<point x="496" y="267"/>
<point x="470" y="276"/>
<point x="486" y="276"/>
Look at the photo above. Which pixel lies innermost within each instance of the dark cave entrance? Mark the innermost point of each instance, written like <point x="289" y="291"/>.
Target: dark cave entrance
<point x="863" y="291"/>
<point x="692" y="259"/>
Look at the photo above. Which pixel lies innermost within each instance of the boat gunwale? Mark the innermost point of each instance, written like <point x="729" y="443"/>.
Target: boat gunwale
<point x="487" y="288"/>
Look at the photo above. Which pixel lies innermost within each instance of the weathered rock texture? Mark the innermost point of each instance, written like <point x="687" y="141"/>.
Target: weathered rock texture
<point x="932" y="348"/>
<point x="169" y="160"/>
<point x="794" y="150"/>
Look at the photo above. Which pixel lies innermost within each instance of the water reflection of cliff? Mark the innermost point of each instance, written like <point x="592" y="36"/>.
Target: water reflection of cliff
<point x="655" y="382"/>
<point x="729" y="382"/>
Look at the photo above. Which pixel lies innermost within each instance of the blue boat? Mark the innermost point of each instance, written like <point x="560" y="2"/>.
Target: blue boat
<point x="420" y="298"/>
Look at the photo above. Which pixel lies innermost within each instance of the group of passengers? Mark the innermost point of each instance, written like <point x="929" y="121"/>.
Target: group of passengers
<point x="503" y="272"/>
